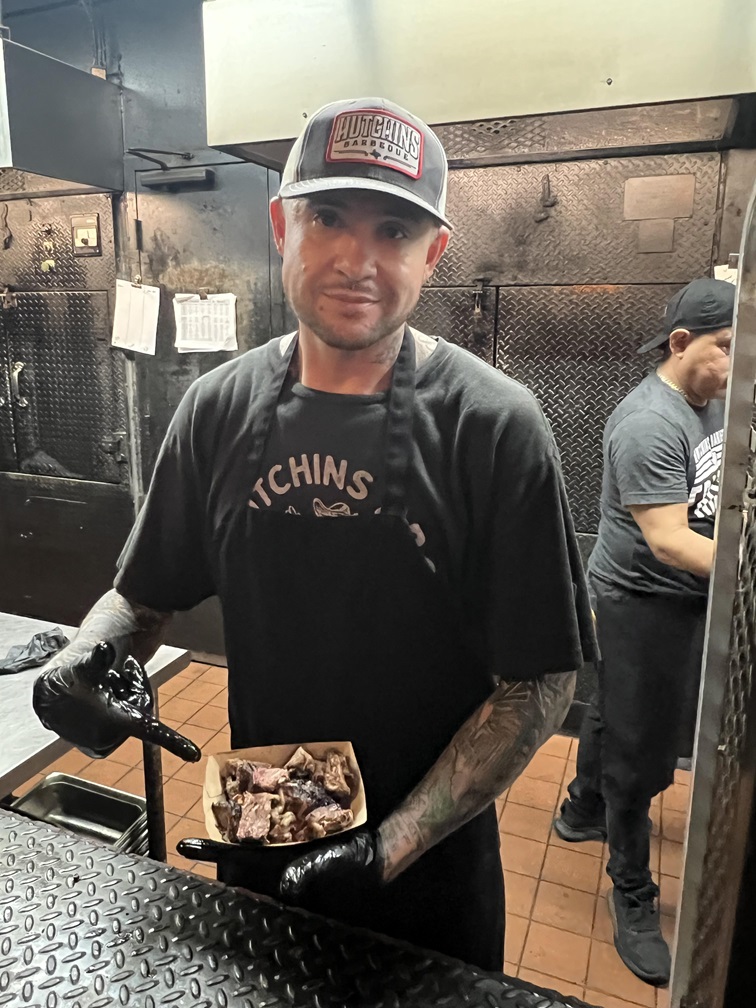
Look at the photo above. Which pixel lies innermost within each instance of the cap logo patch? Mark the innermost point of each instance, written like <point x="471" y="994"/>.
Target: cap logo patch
<point x="374" y="136"/>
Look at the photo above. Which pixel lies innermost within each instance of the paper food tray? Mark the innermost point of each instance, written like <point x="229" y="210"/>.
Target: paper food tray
<point x="277" y="755"/>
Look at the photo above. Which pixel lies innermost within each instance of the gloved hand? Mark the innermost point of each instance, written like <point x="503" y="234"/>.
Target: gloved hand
<point x="359" y="857"/>
<point x="97" y="707"/>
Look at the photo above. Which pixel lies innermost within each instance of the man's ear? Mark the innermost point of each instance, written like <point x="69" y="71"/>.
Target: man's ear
<point x="680" y="340"/>
<point x="278" y="220"/>
<point x="436" y="250"/>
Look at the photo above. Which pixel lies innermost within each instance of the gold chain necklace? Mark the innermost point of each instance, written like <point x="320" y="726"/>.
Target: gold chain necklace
<point x="668" y="381"/>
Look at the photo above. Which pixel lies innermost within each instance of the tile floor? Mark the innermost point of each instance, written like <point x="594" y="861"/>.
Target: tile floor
<point x="558" y="929"/>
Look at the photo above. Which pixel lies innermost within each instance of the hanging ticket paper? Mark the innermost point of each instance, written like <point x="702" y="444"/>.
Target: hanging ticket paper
<point x="204" y="324"/>
<point x="135" y="317"/>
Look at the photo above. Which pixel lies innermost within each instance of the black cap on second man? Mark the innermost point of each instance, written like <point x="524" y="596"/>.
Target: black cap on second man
<point x="369" y="143"/>
<point x="702" y="306"/>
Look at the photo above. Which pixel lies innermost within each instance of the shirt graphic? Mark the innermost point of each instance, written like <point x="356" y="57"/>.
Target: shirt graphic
<point x="704" y="493"/>
<point x="346" y="484"/>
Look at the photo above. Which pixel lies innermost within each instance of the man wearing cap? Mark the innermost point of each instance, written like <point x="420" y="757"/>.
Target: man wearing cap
<point x="383" y="518"/>
<point x="649" y="577"/>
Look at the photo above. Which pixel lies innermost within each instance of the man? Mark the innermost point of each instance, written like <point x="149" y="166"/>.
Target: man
<point x="384" y="520"/>
<point x="649" y="577"/>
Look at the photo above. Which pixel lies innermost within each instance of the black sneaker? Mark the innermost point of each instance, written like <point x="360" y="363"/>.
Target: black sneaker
<point x="638" y="938"/>
<point x="574" y="829"/>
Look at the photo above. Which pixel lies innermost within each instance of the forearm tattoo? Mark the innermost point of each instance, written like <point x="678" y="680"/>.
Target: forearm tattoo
<point x="131" y="628"/>
<point x="486" y="755"/>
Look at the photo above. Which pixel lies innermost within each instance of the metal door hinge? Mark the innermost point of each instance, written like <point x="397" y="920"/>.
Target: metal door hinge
<point x="116" y="445"/>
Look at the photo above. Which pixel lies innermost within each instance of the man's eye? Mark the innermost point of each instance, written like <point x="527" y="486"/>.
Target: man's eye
<point x="328" y="218"/>
<point x="395" y="231"/>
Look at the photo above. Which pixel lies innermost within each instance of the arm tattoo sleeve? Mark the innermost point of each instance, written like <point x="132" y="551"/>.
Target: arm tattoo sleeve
<point x="131" y="628"/>
<point x="486" y="755"/>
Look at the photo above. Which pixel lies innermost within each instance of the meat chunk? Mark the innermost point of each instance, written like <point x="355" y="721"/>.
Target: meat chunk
<point x="268" y="778"/>
<point x="303" y="764"/>
<point x="326" y="820"/>
<point x="338" y="777"/>
<point x="256" y="809"/>
<point x="237" y="775"/>
<point x="227" y="815"/>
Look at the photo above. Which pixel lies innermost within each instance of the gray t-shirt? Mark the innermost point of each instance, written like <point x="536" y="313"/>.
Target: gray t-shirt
<point x="658" y="449"/>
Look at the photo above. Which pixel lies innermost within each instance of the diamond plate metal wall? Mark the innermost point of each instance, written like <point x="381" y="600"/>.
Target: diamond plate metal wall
<point x="575" y="348"/>
<point x="504" y="231"/>
<point x="679" y="123"/>
<point x="7" y="436"/>
<point x="85" y="927"/>
<point x="450" y="312"/>
<point x="72" y="380"/>
<point x="41" y="231"/>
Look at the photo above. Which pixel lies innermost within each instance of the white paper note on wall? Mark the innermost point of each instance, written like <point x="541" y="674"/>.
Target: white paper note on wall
<point x="205" y="324"/>
<point x="135" y="317"/>
<point x="726" y="273"/>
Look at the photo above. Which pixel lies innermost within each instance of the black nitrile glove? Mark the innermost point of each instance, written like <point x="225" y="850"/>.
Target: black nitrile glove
<point x="97" y="707"/>
<point x="359" y="858"/>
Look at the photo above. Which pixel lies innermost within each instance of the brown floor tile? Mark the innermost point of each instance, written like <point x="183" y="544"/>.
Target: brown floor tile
<point x="499" y="805"/>
<point x="532" y="823"/>
<point x="596" y="848"/>
<point x="565" y="955"/>
<point x="551" y="983"/>
<point x="209" y="871"/>
<point x="520" y="892"/>
<point x="522" y="856"/>
<point x="220" y="700"/>
<point x="510" y="969"/>
<point x="683" y="777"/>
<point x="607" y="974"/>
<point x="662" y="997"/>
<point x="534" y="793"/>
<point x="179" y="710"/>
<point x="655" y="815"/>
<point x="170" y="821"/>
<point x="209" y="717"/>
<point x="170" y="764"/>
<point x="592" y="997"/>
<point x="545" y="767"/>
<point x="671" y="858"/>
<point x="132" y="782"/>
<point x="514" y="938"/>
<point x="180" y="831"/>
<point x="72" y="762"/>
<point x="179" y="862"/>
<point x="201" y="691"/>
<point x="573" y="748"/>
<point x="216" y="674"/>
<point x="197" y="814"/>
<point x="194" y="773"/>
<point x="669" y="900"/>
<point x="571" y="869"/>
<point x="199" y="735"/>
<point x="28" y="785"/>
<point x="674" y="824"/>
<point x="602" y="922"/>
<point x="667" y="928"/>
<point x="567" y="909"/>
<point x="170" y="688"/>
<point x="220" y="742"/>
<point x="130" y="753"/>
<point x="194" y="670"/>
<point x="104" y="772"/>
<point x="677" y="797"/>
<point x="557" y="745"/>
<point x="570" y="772"/>
<point x="179" y="796"/>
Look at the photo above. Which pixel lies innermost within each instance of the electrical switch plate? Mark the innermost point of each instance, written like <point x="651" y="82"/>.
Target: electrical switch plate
<point x="85" y="235"/>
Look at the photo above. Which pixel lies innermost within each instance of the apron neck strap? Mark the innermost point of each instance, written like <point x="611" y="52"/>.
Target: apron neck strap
<point x="401" y="410"/>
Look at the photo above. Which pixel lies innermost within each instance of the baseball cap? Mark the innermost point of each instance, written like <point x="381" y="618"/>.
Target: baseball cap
<point x="369" y="143"/>
<point x="703" y="306"/>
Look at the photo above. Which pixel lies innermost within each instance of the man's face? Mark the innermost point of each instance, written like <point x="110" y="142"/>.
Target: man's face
<point x="354" y="262"/>
<point x="705" y="362"/>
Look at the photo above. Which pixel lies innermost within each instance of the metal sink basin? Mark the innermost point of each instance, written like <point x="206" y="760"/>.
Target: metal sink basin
<point x="91" y="810"/>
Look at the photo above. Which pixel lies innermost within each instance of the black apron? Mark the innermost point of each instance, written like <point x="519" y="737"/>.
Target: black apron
<point x="338" y="629"/>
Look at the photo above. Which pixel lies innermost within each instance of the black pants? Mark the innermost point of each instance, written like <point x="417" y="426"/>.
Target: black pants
<point x="651" y="649"/>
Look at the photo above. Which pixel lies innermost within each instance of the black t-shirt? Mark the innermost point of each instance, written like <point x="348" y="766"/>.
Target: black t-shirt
<point x="658" y="449"/>
<point x="485" y="497"/>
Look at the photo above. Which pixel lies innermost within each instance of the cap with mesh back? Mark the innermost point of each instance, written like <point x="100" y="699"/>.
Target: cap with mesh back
<point x="702" y="306"/>
<point x="369" y="143"/>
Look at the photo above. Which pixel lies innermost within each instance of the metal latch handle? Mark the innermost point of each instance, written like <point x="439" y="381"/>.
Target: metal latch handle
<point x="16" y="370"/>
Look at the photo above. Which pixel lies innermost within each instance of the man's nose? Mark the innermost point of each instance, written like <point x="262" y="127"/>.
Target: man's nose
<point x="354" y="258"/>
